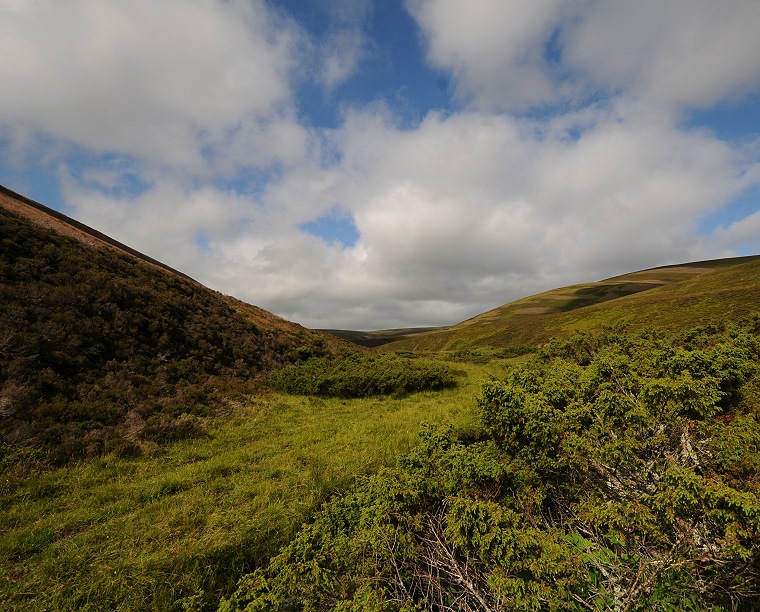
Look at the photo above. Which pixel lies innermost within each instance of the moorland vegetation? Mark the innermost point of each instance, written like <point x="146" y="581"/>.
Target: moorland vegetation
<point x="362" y="376"/>
<point x="610" y="472"/>
<point x="100" y="353"/>
<point x="144" y="457"/>
<point x="165" y="447"/>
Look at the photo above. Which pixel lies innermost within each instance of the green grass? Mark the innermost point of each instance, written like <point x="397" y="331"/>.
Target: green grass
<point x="140" y="534"/>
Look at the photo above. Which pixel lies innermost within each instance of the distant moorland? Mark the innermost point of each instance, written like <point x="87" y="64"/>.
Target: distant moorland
<point x="670" y="297"/>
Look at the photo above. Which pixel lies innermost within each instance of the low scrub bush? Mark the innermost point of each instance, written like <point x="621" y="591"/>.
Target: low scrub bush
<point x="362" y="377"/>
<point x="611" y="472"/>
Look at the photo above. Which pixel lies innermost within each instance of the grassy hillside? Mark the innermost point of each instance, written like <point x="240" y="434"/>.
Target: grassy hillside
<point x="669" y="297"/>
<point x="105" y="351"/>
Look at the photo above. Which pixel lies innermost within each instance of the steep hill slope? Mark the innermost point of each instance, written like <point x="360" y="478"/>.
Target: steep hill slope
<point x="104" y="349"/>
<point x="670" y="297"/>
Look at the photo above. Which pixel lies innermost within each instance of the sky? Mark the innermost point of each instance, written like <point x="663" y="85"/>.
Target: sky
<point x="373" y="164"/>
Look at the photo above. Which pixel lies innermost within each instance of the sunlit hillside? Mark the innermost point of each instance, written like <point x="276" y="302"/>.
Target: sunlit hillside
<point x="670" y="297"/>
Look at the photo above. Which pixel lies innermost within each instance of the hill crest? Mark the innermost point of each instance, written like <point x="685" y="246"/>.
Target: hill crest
<point x="66" y="226"/>
<point x="103" y="349"/>
<point x="673" y="297"/>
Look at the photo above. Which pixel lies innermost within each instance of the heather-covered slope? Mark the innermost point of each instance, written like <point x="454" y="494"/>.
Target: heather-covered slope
<point x="103" y="349"/>
<point x="671" y="298"/>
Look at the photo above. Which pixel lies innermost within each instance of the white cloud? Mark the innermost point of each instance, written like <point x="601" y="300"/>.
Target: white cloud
<point x="333" y="42"/>
<point x="666" y="52"/>
<point x="167" y="221"/>
<point x="456" y="215"/>
<point x="470" y="197"/>
<point x="742" y="236"/>
<point x="494" y="49"/>
<point x="669" y="52"/>
<point x="342" y="56"/>
<point x="346" y="44"/>
<point x="470" y="211"/>
<point x="158" y="81"/>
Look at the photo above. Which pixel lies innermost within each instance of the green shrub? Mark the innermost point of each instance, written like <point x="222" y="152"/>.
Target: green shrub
<point x="611" y="473"/>
<point x="367" y="376"/>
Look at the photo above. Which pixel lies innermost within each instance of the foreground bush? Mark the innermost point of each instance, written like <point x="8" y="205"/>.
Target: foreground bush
<point x="362" y="377"/>
<point x="611" y="473"/>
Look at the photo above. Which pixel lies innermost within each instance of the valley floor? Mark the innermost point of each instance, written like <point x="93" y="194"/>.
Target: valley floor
<point x="144" y="533"/>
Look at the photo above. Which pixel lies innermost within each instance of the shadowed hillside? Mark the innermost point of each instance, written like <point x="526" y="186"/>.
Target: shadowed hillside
<point x="668" y="297"/>
<point x="103" y="349"/>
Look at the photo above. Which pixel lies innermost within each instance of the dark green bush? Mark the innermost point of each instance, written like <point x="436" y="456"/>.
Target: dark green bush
<point x="362" y="377"/>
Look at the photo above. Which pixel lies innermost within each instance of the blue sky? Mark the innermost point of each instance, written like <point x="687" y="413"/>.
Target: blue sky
<point x="371" y="164"/>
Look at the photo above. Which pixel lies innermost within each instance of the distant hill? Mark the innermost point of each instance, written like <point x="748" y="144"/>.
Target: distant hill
<point x="103" y="349"/>
<point x="668" y="297"/>
<point x="379" y="337"/>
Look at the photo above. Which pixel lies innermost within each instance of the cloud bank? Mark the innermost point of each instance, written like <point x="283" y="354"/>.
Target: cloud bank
<point x="566" y="156"/>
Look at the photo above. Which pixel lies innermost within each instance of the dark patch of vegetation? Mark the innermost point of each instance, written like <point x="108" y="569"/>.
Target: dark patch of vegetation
<point x="362" y="377"/>
<point x="611" y="472"/>
<point x="711" y="263"/>
<point x="101" y="353"/>
<point x="603" y="292"/>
